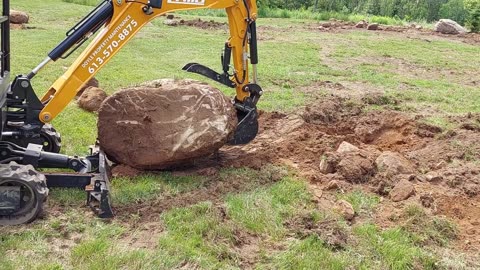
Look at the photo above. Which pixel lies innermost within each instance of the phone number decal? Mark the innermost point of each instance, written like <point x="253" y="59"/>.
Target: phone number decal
<point x="107" y="48"/>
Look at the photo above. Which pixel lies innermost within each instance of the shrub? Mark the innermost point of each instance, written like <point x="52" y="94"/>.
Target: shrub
<point x="473" y="15"/>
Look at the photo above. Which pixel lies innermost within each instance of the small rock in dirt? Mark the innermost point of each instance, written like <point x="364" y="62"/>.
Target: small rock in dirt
<point x="346" y="210"/>
<point x="328" y="164"/>
<point x="447" y="26"/>
<point x="170" y="16"/>
<point x="471" y="189"/>
<point x="169" y="22"/>
<point x="427" y="200"/>
<point x="402" y="191"/>
<point x="18" y="17"/>
<point x="361" y="24"/>
<point x="356" y="168"/>
<point x="165" y="126"/>
<point x="332" y="185"/>
<point x="93" y="82"/>
<point x="124" y="171"/>
<point x="434" y="178"/>
<point x="381" y="189"/>
<point x="394" y="163"/>
<point x="92" y="99"/>
<point x="346" y="147"/>
<point x="373" y="26"/>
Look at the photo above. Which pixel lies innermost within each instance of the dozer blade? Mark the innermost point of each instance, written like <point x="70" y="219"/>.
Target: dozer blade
<point x="209" y="73"/>
<point x="247" y="127"/>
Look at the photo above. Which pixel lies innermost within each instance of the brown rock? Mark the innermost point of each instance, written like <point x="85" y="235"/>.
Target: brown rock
<point x="332" y="185"/>
<point x="170" y="16"/>
<point x="427" y="200"/>
<point x="393" y="163"/>
<point x="346" y="210"/>
<point x="18" y="17"/>
<point x="372" y="26"/>
<point x="326" y="24"/>
<point x="356" y="168"/>
<point x="165" y="126"/>
<point x="93" y="82"/>
<point x="361" y="24"/>
<point x="434" y="178"/>
<point x="328" y="164"/>
<point x="346" y="147"/>
<point x="124" y="171"/>
<point x="92" y="99"/>
<point x="402" y="191"/>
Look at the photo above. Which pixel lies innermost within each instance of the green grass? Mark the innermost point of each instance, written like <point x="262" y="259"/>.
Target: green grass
<point x="391" y="249"/>
<point x="265" y="210"/>
<point x="361" y="202"/>
<point x="309" y="253"/>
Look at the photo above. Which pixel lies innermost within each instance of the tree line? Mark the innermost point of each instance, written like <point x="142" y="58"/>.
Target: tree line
<point x="462" y="11"/>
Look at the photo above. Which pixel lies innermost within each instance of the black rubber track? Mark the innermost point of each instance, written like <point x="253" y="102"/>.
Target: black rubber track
<point x="32" y="182"/>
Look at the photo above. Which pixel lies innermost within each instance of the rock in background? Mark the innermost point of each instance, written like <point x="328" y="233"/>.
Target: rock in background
<point x="165" y="123"/>
<point x="446" y="26"/>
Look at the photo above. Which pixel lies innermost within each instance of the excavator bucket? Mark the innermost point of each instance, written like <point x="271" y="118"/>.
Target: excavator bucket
<point x="247" y="127"/>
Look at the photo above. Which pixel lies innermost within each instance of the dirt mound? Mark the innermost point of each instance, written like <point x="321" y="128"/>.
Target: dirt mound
<point x="199" y="23"/>
<point x="91" y="99"/>
<point x="93" y="82"/>
<point x="18" y="17"/>
<point x="165" y="123"/>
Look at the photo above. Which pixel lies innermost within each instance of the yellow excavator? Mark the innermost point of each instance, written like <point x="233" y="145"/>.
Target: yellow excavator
<point x="29" y="143"/>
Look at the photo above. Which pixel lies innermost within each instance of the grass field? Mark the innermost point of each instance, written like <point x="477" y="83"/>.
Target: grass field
<point x="257" y="226"/>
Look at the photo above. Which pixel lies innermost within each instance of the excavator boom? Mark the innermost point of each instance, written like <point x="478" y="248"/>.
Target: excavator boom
<point x="120" y="20"/>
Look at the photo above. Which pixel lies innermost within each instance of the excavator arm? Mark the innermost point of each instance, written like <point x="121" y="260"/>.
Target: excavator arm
<point x="119" y="20"/>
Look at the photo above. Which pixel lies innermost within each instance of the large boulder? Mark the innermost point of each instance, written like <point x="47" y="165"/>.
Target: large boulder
<point x="18" y="17"/>
<point x="165" y="123"/>
<point x="446" y="26"/>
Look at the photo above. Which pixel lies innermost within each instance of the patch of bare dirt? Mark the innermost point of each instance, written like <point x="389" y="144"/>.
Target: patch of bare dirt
<point x="199" y="23"/>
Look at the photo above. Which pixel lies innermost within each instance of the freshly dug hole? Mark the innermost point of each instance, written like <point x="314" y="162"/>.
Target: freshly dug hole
<point x="165" y="123"/>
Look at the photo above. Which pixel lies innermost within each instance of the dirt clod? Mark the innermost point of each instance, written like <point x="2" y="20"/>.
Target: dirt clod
<point x="332" y="185"/>
<point x="346" y="210"/>
<point x="92" y="99"/>
<point x="394" y="163"/>
<point x="402" y="191"/>
<point x="93" y="82"/>
<point x="18" y="17"/>
<point x="373" y="26"/>
<point x="434" y="178"/>
<point x="356" y="167"/>
<point x="346" y="147"/>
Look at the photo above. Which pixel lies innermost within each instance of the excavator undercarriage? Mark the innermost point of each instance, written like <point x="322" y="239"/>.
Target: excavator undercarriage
<point x="28" y="143"/>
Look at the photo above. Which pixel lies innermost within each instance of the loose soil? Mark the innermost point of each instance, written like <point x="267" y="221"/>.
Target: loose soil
<point x="300" y="141"/>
